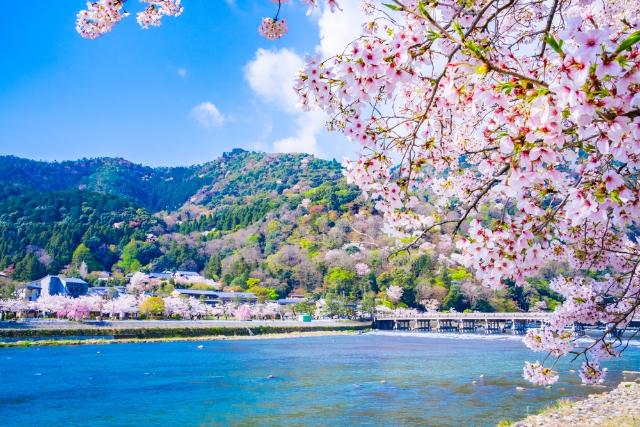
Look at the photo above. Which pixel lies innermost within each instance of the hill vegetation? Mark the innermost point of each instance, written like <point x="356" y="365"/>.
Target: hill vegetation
<point x="268" y="223"/>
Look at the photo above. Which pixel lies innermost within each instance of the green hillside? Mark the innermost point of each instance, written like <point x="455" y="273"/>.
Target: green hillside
<point x="268" y="223"/>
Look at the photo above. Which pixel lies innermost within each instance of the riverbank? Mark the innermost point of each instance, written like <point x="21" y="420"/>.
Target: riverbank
<point x="617" y="408"/>
<point x="73" y="333"/>
<point x="101" y="341"/>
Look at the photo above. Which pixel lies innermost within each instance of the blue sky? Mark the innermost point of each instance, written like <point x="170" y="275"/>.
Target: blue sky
<point x="147" y="95"/>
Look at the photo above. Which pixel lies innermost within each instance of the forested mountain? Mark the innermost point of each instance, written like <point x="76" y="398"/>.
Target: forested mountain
<point x="151" y="188"/>
<point x="47" y="209"/>
<point x="271" y="223"/>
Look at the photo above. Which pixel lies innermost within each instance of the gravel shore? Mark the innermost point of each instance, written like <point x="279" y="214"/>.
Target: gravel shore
<point x="618" y="408"/>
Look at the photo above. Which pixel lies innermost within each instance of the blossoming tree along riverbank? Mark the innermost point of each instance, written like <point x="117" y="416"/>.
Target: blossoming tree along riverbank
<point x="130" y="306"/>
<point x="511" y="126"/>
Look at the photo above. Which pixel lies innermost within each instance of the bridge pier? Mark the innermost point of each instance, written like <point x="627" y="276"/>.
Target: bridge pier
<point x="423" y="325"/>
<point x="446" y="325"/>
<point x="468" y="325"/>
<point x="492" y="327"/>
<point x="518" y="327"/>
<point x="403" y="325"/>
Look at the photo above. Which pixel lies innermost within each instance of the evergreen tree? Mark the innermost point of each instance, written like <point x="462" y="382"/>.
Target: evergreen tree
<point x="83" y="254"/>
<point x="29" y="268"/>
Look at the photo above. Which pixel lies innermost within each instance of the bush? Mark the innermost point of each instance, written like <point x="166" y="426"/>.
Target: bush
<point x="152" y="307"/>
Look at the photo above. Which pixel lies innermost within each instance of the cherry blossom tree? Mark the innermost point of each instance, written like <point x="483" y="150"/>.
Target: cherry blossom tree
<point x="513" y="126"/>
<point x="394" y="293"/>
<point x="243" y="312"/>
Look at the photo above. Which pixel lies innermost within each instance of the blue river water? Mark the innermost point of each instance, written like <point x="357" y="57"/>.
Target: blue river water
<point x="370" y="380"/>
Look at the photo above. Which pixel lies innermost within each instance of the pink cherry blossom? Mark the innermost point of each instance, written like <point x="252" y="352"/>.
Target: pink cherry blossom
<point x="538" y="374"/>
<point x="99" y="18"/>
<point x="394" y="293"/>
<point x="243" y="312"/>
<point x="591" y="373"/>
<point x="273" y="28"/>
<point x="152" y="14"/>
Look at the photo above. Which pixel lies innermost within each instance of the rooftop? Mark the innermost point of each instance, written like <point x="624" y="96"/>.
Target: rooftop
<point x="220" y="295"/>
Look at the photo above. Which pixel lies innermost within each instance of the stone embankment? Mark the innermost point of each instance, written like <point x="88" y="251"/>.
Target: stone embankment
<point x="618" y="408"/>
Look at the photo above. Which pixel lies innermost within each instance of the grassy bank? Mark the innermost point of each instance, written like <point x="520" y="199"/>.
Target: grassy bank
<point x="57" y="335"/>
<point x="63" y="342"/>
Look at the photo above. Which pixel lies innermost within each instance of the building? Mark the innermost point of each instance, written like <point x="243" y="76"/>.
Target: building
<point x="189" y="275"/>
<point x="165" y="275"/>
<point x="54" y="285"/>
<point x="290" y="301"/>
<point x="215" y="297"/>
<point x="107" y="291"/>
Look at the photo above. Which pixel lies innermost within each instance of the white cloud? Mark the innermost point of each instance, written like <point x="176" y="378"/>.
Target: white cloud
<point x="182" y="72"/>
<point x="271" y="75"/>
<point x="339" y="28"/>
<point x="207" y="115"/>
<point x="304" y="140"/>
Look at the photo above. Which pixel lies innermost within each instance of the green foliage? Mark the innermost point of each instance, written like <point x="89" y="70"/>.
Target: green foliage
<point x="129" y="259"/>
<point x="57" y="223"/>
<point x="628" y="42"/>
<point x="303" y="307"/>
<point x="231" y="217"/>
<point x="153" y="188"/>
<point x="340" y="280"/>
<point x="110" y="214"/>
<point x="455" y="299"/>
<point x="152" y="307"/>
<point x="29" y="268"/>
<point x="213" y="268"/>
<point x="252" y="281"/>
<point x="82" y="254"/>
<point x="7" y="290"/>
<point x="458" y="274"/>
<point x="201" y="287"/>
<point x="263" y="294"/>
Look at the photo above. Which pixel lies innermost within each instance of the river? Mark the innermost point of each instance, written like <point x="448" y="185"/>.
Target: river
<point x="372" y="379"/>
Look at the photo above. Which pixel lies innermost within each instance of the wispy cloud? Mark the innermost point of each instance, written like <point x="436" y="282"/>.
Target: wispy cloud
<point x="207" y="115"/>
<point x="182" y="72"/>
<point x="271" y="76"/>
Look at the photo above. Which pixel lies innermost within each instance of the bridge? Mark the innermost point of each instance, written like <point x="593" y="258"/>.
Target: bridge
<point x="489" y="323"/>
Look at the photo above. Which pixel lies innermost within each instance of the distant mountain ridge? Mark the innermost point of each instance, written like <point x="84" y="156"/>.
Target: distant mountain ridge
<point x="152" y="188"/>
<point x="167" y="188"/>
<point x="104" y="203"/>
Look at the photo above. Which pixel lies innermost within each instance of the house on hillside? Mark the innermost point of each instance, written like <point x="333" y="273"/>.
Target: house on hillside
<point x="290" y="301"/>
<point x="187" y="274"/>
<point x="215" y="297"/>
<point x="54" y="285"/>
<point x="107" y="291"/>
<point x="165" y="275"/>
